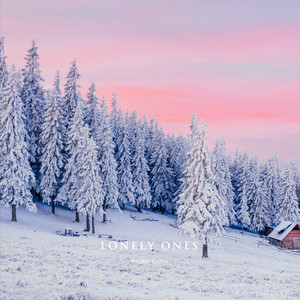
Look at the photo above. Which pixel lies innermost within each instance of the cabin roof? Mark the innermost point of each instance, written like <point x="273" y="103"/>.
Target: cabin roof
<point x="282" y="230"/>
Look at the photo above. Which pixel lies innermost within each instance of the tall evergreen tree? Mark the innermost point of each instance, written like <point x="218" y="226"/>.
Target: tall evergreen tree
<point x="89" y="194"/>
<point x="92" y="116"/>
<point x="115" y="122"/>
<point x="220" y="168"/>
<point x="162" y="177"/>
<point x="16" y="176"/>
<point x="141" y="185"/>
<point x="200" y="206"/>
<point x="32" y="95"/>
<point x="124" y="166"/>
<point x="52" y="160"/>
<point x="3" y="66"/>
<point x="174" y="164"/>
<point x="288" y="207"/>
<point x="241" y="180"/>
<point x="70" y="180"/>
<point x="107" y="161"/>
<point x="260" y="209"/>
<point x="71" y="96"/>
<point x="272" y="182"/>
<point x="243" y="211"/>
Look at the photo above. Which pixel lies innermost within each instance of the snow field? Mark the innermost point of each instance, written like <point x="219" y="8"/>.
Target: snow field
<point x="38" y="264"/>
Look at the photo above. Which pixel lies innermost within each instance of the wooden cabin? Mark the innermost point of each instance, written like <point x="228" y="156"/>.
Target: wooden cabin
<point x="286" y="235"/>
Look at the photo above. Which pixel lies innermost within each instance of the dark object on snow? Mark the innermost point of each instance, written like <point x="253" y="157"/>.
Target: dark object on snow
<point x="68" y="231"/>
<point x="286" y="235"/>
<point x="146" y="219"/>
<point x="173" y="225"/>
<point x="108" y="236"/>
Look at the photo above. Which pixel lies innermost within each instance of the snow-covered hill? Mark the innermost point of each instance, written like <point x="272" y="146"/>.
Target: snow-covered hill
<point x="36" y="263"/>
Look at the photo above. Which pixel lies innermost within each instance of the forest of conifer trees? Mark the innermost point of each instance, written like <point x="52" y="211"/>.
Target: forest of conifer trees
<point x="89" y="155"/>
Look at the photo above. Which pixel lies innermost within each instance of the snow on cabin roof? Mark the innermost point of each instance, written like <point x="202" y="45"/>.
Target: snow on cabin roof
<point x="282" y="230"/>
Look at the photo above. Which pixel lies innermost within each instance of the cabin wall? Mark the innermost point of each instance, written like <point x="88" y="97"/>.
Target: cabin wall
<point x="292" y="240"/>
<point x="274" y="242"/>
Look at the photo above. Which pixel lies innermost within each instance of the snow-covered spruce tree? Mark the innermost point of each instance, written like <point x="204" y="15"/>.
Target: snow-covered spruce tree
<point x="235" y="170"/>
<point x="3" y="65"/>
<point x="241" y="181"/>
<point x="173" y="163"/>
<point x="71" y="96"/>
<point x="220" y="168"/>
<point x="16" y="176"/>
<point x="124" y="166"/>
<point x="69" y="180"/>
<point x="200" y="207"/>
<point x="141" y="185"/>
<point x="260" y="209"/>
<point x="272" y="182"/>
<point x="132" y="130"/>
<point x="116" y="117"/>
<point x="107" y="161"/>
<point x="162" y="176"/>
<point x="177" y="160"/>
<point x="52" y="160"/>
<point x="92" y="113"/>
<point x="149" y="138"/>
<point x="88" y="194"/>
<point x="33" y="98"/>
<point x="243" y="211"/>
<point x="287" y="206"/>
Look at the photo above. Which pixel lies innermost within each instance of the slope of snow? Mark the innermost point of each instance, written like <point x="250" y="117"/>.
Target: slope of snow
<point x="36" y="263"/>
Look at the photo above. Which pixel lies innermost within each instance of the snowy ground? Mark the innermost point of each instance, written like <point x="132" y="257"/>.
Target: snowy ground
<point x="36" y="263"/>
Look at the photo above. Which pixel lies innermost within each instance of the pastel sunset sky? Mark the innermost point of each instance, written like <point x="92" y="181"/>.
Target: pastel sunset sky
<point x="235" y="63"/>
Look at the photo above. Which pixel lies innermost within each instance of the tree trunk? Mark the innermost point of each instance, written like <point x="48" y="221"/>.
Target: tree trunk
<point x="77" y="215"/>
<point x="104" y="213"/>
<point x="53" y="206"/>
<point x="138" y="207"/>
<point x="123" y="207"/>
<point x="173" y="211"/>
<point x="162" y="209"/>
<point x="13" y="213"/>
<point x="88" y="226"/>
<point x="204" y="251"/>
<point x="93" y="224"/>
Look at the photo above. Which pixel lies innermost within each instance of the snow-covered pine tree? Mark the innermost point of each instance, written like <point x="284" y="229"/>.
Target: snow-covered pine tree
<point x="69" y="180"/>
<point x="16" y="176"/>
<point x="235" y="170"/>
<point x="115" y="122"/>
<point x="92" y="114"/>
<point x="173" y="163"/>
<point x="52" y="159"/>
<point x="241" y="180"/>
<point x="56" y="86"/>
<point x="149" y="141"/>
<point x="3" y="65"/>
<point x="272" y="182"/>
<point x="260" y="209"/>
<point x="71" y="96"/>
<point x="88" y="194"/>
<point x="124" y="165"/>
<point x="132" y="130"/>
<point x="141" y="185"/>
<point x="162" y="176"/>
<point x="107" y="161"/>
<point x="243" y="211"/>
<point x="200" y="212"/>
<point x="220" y="168"/>
<point x="33" y="98"/>
<point x="287" y="206"/>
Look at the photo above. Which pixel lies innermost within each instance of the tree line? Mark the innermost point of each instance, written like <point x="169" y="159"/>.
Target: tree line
<point x="57" y="147"/>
